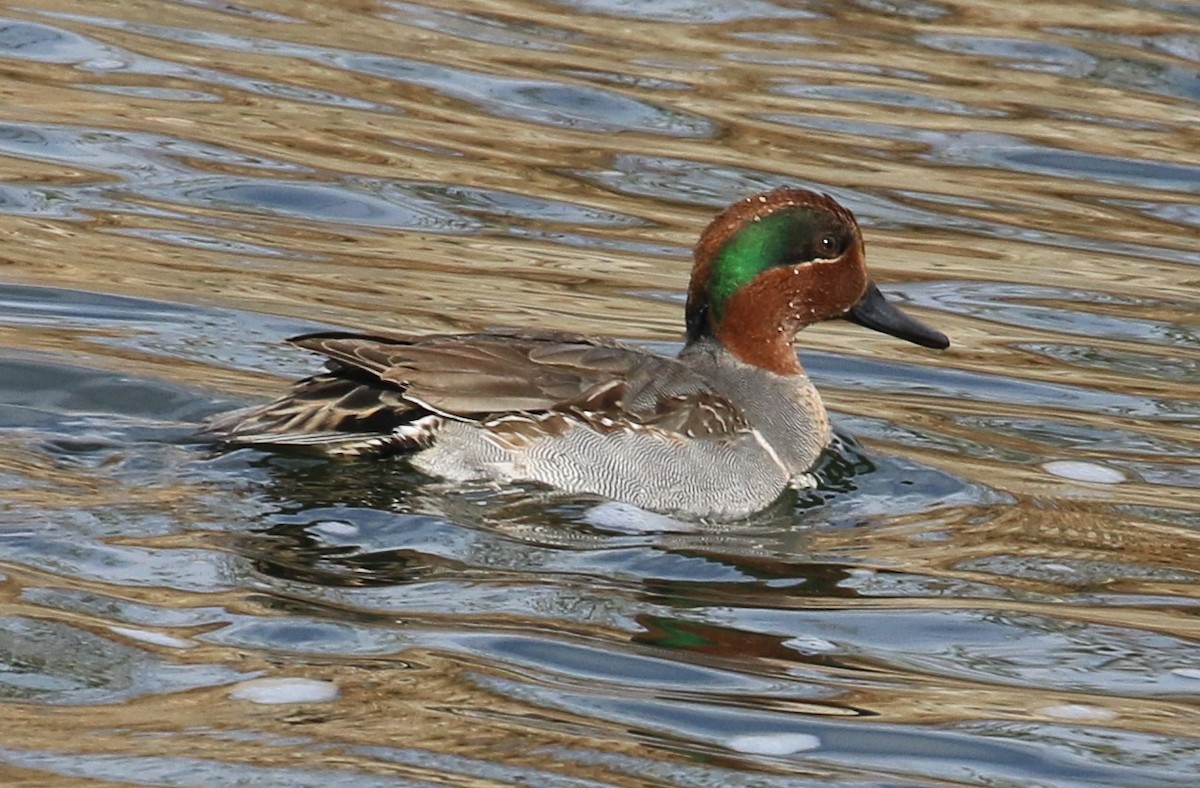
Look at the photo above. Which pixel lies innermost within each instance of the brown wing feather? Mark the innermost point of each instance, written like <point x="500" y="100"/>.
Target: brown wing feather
<point x="402" y="386"/>
<point x="469" y="375"/>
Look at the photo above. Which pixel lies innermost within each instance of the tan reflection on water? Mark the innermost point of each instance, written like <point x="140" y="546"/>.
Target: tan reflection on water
<point x="424" y="707"/>
<point x="770" y="91"/>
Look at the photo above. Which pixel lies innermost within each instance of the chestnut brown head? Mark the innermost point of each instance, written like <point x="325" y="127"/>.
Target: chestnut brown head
<point x="776" y="262"/>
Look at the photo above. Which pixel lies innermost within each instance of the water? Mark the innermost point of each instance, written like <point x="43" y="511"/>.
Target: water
<point x="996" y="584"/>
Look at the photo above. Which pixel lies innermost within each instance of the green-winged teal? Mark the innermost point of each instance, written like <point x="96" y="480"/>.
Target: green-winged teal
<point x="718" y="432"/>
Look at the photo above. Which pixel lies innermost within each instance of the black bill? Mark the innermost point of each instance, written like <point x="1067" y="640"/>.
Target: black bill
<point x="874" y="311"/>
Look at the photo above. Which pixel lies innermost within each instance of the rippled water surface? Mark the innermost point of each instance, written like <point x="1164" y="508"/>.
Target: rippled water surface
<point x="997" y="583"/>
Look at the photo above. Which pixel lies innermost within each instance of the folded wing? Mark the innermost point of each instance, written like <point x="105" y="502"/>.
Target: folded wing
<point x="383" y="394"/>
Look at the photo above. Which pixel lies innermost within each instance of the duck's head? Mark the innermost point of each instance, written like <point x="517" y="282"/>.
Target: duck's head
<point x="778" y="261"/>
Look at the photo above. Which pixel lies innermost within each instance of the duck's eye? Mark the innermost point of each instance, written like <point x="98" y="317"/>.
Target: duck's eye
<point x="828" y="245"/>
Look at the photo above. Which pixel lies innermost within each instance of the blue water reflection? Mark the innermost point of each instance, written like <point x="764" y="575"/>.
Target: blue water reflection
<point x="994" y="581"/>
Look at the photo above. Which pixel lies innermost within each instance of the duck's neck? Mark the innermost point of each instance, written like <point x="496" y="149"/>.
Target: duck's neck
<point x="766" y="351"/>
<point x="755" y="327"/>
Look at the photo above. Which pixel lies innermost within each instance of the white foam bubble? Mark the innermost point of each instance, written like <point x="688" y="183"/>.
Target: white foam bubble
<point x="335" y="528"/>
<point x="810" y="644"/>
<point x="1079" y="471"/>
<point x="285" y="690"/>
<point x="773" y="743"/>
<point x="153" y="638"/>
<point x="629" y="519"/>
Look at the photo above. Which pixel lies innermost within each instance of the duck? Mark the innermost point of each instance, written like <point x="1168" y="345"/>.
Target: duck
<point x="719" y="432"/>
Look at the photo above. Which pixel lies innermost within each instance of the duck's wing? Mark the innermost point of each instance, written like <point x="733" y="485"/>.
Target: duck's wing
<point x="383" y="394"/>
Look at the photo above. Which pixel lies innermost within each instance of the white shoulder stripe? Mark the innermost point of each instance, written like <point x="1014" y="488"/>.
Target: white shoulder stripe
<point x="770" y="450"/>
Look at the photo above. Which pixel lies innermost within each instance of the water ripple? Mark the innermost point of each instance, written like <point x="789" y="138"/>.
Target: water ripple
<point x="996" y="586"/>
